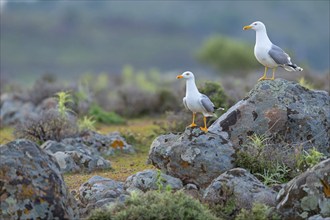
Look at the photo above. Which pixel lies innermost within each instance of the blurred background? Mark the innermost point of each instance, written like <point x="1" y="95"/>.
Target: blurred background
<point x="120" y="51"/>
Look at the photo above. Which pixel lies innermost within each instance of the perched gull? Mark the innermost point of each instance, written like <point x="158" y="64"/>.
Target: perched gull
<point x="196" y="101"/>
<point x="267" y="53"/>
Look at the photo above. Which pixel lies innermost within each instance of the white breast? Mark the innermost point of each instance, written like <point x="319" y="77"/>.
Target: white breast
<point x="261" y="53"/>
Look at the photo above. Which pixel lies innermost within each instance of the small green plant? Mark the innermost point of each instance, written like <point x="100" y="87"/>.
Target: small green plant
<point x="160" y="182"/>
<point x="63" y="99"/>
<point x="278" y="174"/>
<point x="258" y="212"/>
<point x="303" y="82"/>
<point x="307" y="159"/>
<point x="156" y="205"/>
<point x="102" y="116"/>
<point x="86" y="123"/>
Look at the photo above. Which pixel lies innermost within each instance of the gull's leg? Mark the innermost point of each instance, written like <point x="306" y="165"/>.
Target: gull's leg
<point x="193" y="120"/>
<point x="264" y="76"/>
<point x="204" y="128"/>
<point x="273" y="77"/>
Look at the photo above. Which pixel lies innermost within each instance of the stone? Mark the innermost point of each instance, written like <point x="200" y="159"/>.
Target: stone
<point x="194" y="156"/>
<point x="99" y="192"/>
<point x="241" y="186"/>
<point x="150" y="180"/>
<point x="32" y="186"/>
<point x="75" y="158"/>
<point x="303" y="196"/>
<point x="285" y="111"/>
<point x="104" y="144"/>
<point x="14" y="109"/>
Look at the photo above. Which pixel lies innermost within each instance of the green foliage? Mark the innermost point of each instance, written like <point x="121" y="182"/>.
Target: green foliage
<point x="307" y="159"/>
<point x="275" y="175"/>
<point x="102" y="116"/>
<point x="63" y="99"/>
<point x="216" y="93"/>
<point x="225" y="54"/>
<point x="258" y="157"/>
<point x="303" y="82"/>
<point x="226" y="210"/>
<point x="258" y="212"/>
<point x="156" y="205"/>
<point x="160" y="182"/>
<point x="86" y="123"/>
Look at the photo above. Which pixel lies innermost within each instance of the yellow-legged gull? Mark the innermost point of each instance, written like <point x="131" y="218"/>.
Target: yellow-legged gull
<point x="196" y="101"/>
<point x="267" y="53"/>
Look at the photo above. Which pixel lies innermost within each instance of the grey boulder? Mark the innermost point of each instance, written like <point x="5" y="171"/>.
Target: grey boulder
<point x="31" y="184"/>
<point x="285" y="111"/>
<point x="241" y="186"/>
<point x="194" y="156"/>
<point x="151" y="180"/>
<point x="75" y="158"/>
<point x="304" y="196"/>
<point x="98" y="192"/>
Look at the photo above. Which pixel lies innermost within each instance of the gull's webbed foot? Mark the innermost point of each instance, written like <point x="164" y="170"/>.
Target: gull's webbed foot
<point x="192" y="125"/>
<point x="204" y="129"/>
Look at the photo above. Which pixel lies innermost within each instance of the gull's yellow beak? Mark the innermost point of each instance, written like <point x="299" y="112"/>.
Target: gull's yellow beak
<point x="179" y="77"/>
<point x="247" y="27"/>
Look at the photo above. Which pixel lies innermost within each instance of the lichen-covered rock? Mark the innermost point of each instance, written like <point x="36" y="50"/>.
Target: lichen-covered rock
<point x="283" y="110"/>
<point x="14" y="109"/>
<point x="98" y="192"/>
<point x="75" y="158"/>
<point x="304" y="195"/>
<point x="104" y="144"/>
<point x="31" y="185"/>
<point x="150" y="180"/>
<point x="241" y="186"/>
<point x="194" y="156"/>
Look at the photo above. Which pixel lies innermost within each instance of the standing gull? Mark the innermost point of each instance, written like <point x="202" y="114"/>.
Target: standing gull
<point x="267" y="53"/>
<point x="196" y="101"/>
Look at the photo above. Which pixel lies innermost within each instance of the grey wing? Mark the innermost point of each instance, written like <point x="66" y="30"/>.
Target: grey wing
<point x="185" y="103"/>
<point x="279" y="56"/>
<point x="207" y="103"/>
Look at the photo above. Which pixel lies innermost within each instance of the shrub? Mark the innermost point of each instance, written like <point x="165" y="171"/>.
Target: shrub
<point x="102" y="116"/>
<point x="48" y="125"/>
<point x="226" y="54"/>
<point x="86" y="124"/>
<point x="156" y="205"/>
<point x="268" y="163"/>
<point x="216" y="93"/>
<point x="258" y="212"/>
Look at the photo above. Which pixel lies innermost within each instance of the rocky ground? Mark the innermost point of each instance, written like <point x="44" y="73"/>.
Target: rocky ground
<point x="207" y="166"/>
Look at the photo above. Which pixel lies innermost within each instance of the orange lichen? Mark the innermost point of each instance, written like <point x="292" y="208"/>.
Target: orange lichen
<point x="117" y="143"/>
<point x="184" y="164"/>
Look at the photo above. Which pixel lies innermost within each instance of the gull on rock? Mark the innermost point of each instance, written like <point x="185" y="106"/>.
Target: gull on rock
<point x="196" y="101"/>
<point x="267" y="53"/>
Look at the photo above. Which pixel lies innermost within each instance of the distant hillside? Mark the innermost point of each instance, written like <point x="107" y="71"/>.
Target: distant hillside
<point x="69" y="37"/>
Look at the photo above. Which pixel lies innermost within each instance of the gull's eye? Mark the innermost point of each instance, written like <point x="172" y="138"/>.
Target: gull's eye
<point x="255" y="24"/>
<point x="187" y="74"/>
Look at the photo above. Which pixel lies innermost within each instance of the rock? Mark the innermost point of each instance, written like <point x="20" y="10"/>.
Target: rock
<point x="75" y="158"/>
<point x="98" y="192"/>
<point x="149" y="180"/>
<point x="283" y="110"/>
<point x="194" y="157"/>
<point x="14" y="109"/>
<point x="32" y="186"/>
<point x="107" y="144"/>
<point x="303" y="196"/>
<point x="241" y="186"/>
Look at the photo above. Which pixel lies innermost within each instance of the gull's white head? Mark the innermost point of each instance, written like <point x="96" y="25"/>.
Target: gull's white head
<point x="186" y="75"/>
<point x="257" y="25"/>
